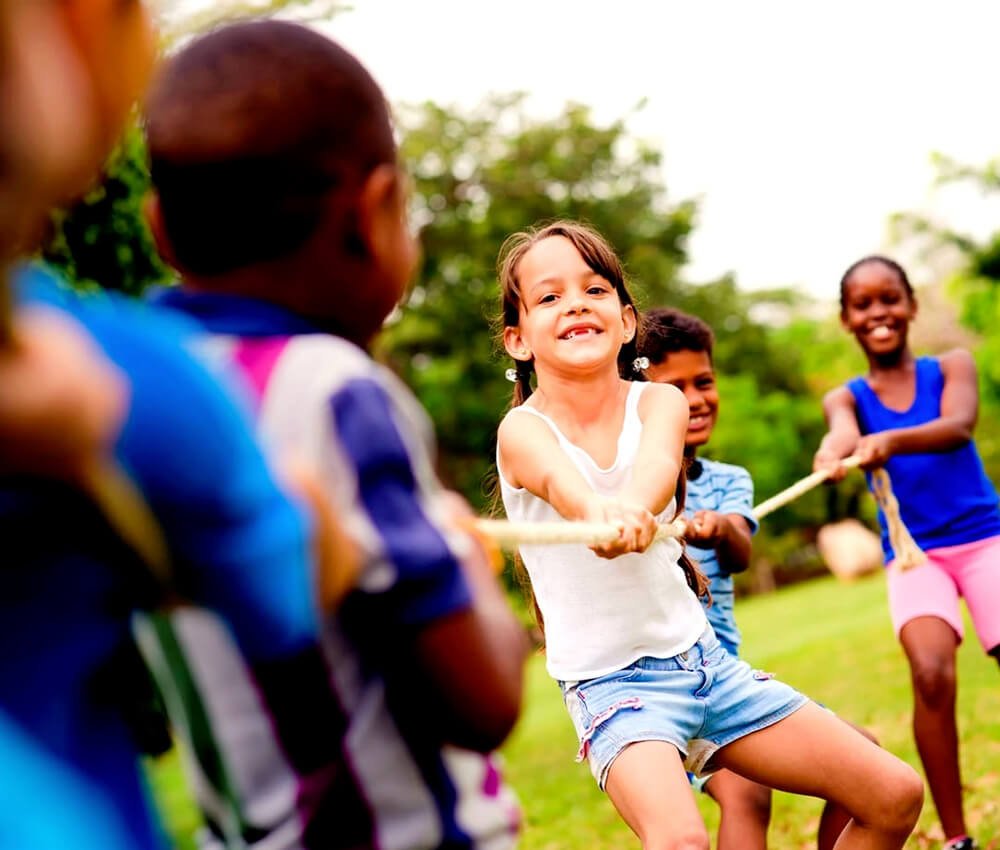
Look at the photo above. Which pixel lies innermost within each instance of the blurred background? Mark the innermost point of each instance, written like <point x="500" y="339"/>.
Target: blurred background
<point x="738" y="156"/>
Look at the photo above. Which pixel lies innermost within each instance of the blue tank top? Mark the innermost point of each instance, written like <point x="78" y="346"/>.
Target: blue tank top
<point x="944" y="497"/>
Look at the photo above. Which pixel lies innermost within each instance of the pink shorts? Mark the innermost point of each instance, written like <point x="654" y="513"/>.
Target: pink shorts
<point x="970" y="570"/>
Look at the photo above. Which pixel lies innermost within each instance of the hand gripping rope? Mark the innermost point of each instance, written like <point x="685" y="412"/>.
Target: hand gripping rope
<point x="509" y="535"/>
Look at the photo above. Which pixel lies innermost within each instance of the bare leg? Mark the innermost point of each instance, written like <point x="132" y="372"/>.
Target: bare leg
<point x="930" y="645"/>
<point x="834" y="817"/>
<point x="650" y="789"/>
<point x="745" y="811"/>
<point x="813" y="752"/>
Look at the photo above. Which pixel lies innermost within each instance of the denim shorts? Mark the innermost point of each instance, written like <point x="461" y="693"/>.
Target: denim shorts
<point x="699" y="701"/>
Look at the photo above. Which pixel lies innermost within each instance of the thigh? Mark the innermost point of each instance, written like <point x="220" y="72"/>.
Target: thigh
<point x="923" y="591"/>
<point x="648" y="785"/>
<point x="730" y="790"/>
<point x="977" y="571"/>
<point x="814" y="752"/>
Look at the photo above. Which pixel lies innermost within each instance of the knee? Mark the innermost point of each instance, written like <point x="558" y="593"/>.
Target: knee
<point x="934" y="680"/>
<point x="902" y="800"/>
<point x="751" y="805"/>
<point x="693" y="838"/>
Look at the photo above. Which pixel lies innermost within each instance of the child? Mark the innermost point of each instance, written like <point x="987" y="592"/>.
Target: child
<point x="280" y="202"/>
<point x="719" y="507"/>
<point x="915" y="416"/>
<point x="236" y="542"/>
<point x="644" y="678"/>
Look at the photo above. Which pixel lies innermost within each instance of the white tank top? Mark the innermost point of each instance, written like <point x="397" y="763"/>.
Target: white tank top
<point x="601" y="615"/>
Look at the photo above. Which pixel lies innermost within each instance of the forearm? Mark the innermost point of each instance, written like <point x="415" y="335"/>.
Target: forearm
<point x="839" y="442"/>
<point x="653" y="484"/>
<point x="733" y="549"/>
<point x="940" y="435"/>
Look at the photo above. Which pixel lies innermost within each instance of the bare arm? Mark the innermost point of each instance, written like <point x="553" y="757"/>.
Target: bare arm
<point x="531" y="457"/>
<point x="475" y="660"/>
<point x="728" y="534"/>
<point x="842" y="437"/>
<point x="953" y="428"/>
<point x="451" y="645"/>
<point x="959" y="410"/>
<point x="664" y="413"/>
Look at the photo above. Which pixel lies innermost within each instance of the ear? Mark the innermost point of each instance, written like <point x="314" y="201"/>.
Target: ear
<point x="380" y="211"/>
<point x="152" y="212"/>
<point x="515" y="345"/>
<point x="630" y="322"/>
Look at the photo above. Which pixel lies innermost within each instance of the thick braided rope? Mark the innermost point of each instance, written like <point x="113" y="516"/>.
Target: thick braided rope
<point x="509" y="535"/>
<point x="908" y="553"/>
<point x="790" y="494"/>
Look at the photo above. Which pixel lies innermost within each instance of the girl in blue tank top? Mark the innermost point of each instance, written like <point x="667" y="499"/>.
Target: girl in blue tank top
<point x="915" y="416"/>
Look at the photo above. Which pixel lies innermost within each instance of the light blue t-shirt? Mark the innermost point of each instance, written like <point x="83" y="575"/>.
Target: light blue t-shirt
<point x="726" y="489"/>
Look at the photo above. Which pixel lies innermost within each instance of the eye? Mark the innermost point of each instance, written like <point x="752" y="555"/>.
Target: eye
<point x="596" y="289"/>
<point x="548" y="298"/>
<point x="705" y="383"/>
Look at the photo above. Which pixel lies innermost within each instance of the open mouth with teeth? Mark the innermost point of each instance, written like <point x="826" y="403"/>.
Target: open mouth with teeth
<point x="575" y="333"/>
<point x="881" y="332"/>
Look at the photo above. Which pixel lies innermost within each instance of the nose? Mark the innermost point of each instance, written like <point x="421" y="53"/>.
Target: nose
<point x="695" y="399"/>
<point x="575" y="302"/>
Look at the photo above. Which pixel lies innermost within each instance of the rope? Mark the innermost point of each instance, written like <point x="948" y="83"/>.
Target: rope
<point x="779" y="500"/>
<point x="509" y="535"/>
<point x="908" y="553"/>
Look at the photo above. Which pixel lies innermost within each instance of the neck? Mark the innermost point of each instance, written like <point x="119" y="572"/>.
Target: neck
<point x="890" y="362"/>
<point x="579" y="398"/>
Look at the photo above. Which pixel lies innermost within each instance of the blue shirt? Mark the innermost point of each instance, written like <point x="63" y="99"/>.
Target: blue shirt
<point x="945" y="498"/>
<point x="726" y="489"/>
<point x="44" y="805"/>
<point x="237" y="545"/>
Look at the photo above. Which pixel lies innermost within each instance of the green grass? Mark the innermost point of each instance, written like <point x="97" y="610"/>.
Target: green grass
<point x="830" y="640"/>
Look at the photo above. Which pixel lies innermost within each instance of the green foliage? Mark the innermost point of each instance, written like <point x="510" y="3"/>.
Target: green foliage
<point x="478" y="177"/>
<point x="976" y="285"/>
<point x="103" y="240"/>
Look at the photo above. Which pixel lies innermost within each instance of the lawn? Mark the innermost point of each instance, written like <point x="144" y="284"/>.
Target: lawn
<point x="832" y="641"/>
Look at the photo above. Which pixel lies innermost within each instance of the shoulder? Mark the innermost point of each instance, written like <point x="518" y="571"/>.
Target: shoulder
<point x="728" y="471"/>
<point x="660" y="398"/>
<point x="518" y="423"/>
<point x="839" y="398"/>
<point x="958" y="363"/>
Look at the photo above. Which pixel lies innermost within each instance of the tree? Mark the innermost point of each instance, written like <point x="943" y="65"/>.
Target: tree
<point x="102" y="241"/>
<point x="975" y="282"/>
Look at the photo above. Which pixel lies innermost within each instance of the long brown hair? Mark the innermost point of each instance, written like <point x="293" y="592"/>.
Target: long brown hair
<point x="598" y="254"/>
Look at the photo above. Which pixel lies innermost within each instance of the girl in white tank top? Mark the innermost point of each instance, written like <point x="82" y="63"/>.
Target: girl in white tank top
<point x="646" y="682"/>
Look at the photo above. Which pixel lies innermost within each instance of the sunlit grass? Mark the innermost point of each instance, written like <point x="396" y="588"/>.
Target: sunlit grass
<point x="830" y="640"/>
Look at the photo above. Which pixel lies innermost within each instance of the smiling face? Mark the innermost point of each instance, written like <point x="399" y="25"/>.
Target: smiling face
<point x="571" y="318"/>
<point x="877" y="309"/>
<point x="692" y="373"/>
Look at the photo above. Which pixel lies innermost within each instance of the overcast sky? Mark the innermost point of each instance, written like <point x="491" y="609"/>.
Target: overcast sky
<point x="801" y="126"/>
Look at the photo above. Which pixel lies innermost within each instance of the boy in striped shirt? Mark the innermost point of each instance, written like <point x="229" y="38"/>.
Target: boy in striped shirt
<point x="280" y="202"/>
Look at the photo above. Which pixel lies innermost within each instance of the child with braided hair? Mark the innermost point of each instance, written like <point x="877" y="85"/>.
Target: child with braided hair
<point x="645" y="680"/>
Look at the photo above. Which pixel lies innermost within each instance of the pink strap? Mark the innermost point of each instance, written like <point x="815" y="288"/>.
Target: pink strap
<point x="256" y="358"/>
